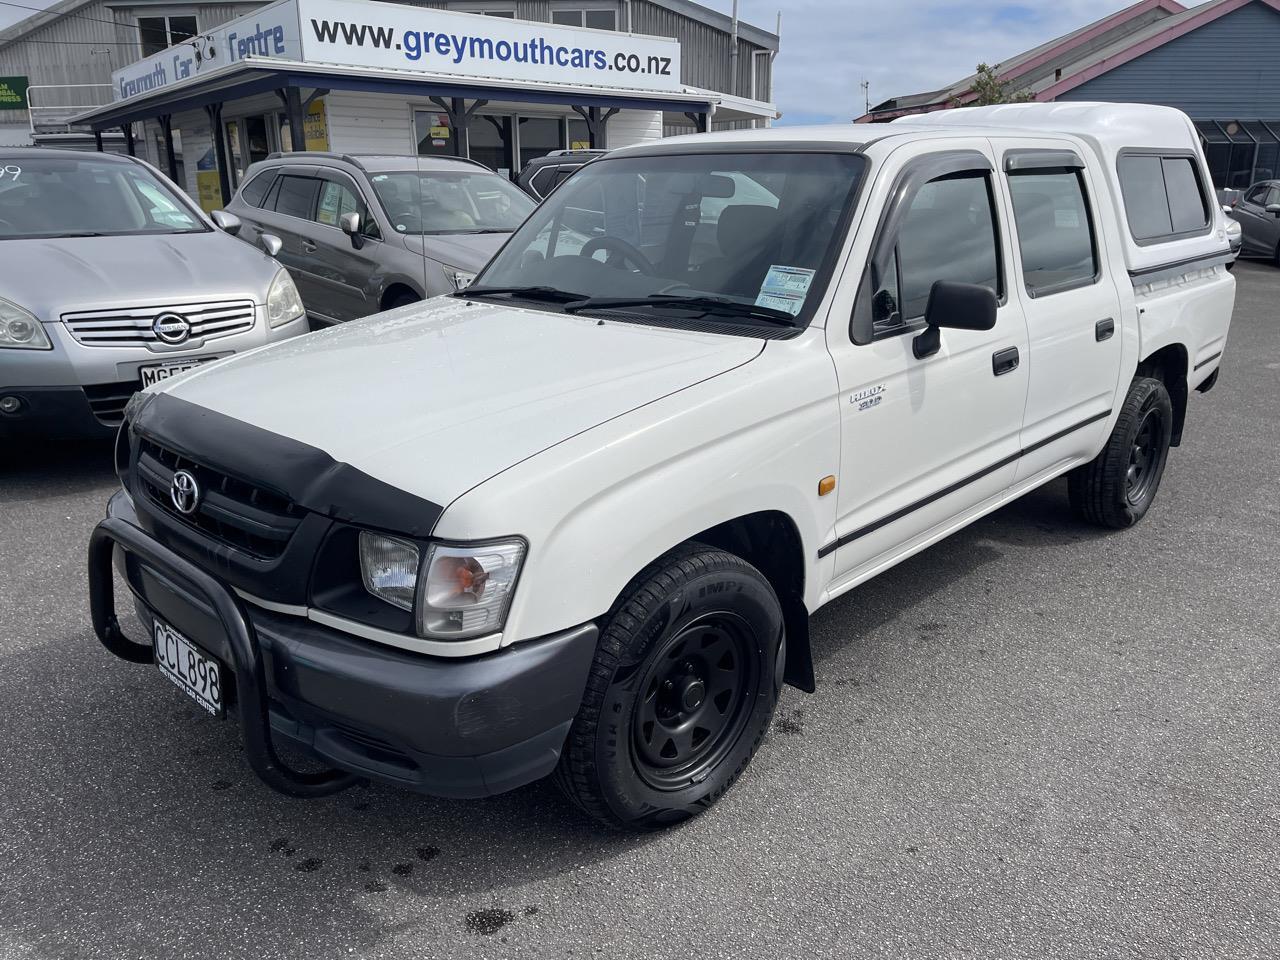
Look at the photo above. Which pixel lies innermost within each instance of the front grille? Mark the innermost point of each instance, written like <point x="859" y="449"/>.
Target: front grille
<point x="107" y="400"/>
<point x="132" y="326"/>
<point x="248" y="518"/>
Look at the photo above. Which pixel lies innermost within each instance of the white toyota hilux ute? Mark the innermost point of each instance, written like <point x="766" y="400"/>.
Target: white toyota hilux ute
<point x="574" y="519"/>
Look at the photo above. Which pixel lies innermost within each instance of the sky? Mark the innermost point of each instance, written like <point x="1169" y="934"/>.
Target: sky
<point x="829" y="48"/>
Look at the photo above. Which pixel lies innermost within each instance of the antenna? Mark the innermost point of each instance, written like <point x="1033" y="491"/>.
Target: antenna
<point x="866" y="95"/>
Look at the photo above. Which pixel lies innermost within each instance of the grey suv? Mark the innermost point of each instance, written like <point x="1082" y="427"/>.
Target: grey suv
<point x="1258" y="213"/>
<point x="112" y="280"/>
<point x="362" y="234"/>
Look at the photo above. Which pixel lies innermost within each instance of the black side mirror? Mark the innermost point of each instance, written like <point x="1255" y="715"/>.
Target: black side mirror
<point x="959" y="306"/>
<point x="1273" y="209"/>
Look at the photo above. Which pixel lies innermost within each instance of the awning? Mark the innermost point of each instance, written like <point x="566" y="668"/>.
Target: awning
<point x="256" y="75"/>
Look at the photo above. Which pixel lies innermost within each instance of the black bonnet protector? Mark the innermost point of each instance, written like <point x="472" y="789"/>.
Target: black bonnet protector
<point x="304" y="474"/>
<point x="323" y="491"/>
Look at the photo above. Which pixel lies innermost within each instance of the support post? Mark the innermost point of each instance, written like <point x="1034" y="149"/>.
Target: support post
<point x="214" y="110"/>
<point x="459" y="115"/>
<point x="97" y="140"/>
<point x="292" y="98"/>
<point x="127" y="129"/>
<point x="701" y="120"/>
<point x="171" y="158"/>
<point x="597" y="125"/>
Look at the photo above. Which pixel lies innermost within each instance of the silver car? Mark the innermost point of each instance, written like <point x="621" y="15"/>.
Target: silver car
<point x="111" y="280"/>
<point x="361" y="234"/>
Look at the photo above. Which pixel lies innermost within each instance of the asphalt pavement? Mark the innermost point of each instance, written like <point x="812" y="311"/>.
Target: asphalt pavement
<point x="1034" y="740"/>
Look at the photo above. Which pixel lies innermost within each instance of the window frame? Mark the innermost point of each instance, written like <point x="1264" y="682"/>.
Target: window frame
<point x="915" y="174"/>
<point x="1166" y="154"/>
<point x="1022" y="162"/>
<point x="269" y="175"/>
<point x="582" y="10"/>
<point x="168" y="30"/>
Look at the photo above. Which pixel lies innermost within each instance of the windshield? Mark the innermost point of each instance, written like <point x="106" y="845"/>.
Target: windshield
<point x="447" y="202"/>
<point x="81" y="195"/>
<point x="748" y="230"/>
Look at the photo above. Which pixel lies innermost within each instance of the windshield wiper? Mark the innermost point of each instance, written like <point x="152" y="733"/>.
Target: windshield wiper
<point x="720" y="306"/>
<point x="494" y="230"/>
<point x="551" y="294"/>
<point x="78" y="233"/>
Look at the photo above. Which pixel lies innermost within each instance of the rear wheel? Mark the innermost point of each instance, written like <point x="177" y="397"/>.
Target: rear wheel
<point x="1117" y="487"/>
<point x="681" y="693"/>
<point x="401" y="299"/>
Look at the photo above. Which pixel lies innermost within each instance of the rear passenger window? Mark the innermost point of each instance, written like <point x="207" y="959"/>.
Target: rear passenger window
<point x="296" y="196"/>
<point x="1055" y="230"/>
<point x="253" y="191"/>
<point x="1163" y="196"/>
<point x="948" y="233"/>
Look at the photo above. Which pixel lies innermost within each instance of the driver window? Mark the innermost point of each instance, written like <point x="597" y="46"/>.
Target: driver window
<point x="948" y="232"/>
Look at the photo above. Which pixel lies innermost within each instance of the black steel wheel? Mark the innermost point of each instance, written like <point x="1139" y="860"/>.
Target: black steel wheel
<point x="683" y="688"/>
<point x="1116" y="488"/>
<point x="695" y="702"/>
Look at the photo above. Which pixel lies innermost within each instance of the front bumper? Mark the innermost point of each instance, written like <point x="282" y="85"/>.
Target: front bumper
<point x="458" y="728"/>
<point x="46" y="412"/>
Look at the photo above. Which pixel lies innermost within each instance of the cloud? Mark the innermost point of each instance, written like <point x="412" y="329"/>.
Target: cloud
<point x="901" y="47"/>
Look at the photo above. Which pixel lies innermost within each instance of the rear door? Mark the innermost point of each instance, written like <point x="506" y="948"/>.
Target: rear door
<point x="286" y="212"/>
<point x="1070" y="297"/>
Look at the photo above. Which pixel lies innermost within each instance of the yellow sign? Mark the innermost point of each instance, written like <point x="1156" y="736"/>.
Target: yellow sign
<point x="580" y="145"/>
<point x="209" y="188"/>
<point x="316" y="127"/>
<point x="439" y="133"/>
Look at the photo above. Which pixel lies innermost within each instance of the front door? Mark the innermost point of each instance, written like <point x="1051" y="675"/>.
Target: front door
<point x="1260" y="231"/>
<point x="926" y="440"/>
<point x="342" y="272"/>
<point x="1071" y="300"/>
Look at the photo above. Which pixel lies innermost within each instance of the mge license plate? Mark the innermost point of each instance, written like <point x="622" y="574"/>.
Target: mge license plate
<point x="192" y="670"/>
<point x="163" y="371"/>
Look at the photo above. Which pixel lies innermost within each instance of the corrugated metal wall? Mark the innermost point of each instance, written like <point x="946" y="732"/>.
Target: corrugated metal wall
<point x="1228" y="69"/>
<point x="704" y="49"/>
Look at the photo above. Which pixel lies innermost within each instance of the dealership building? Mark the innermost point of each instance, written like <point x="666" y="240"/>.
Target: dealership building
<point x="203" y="91"/>
<point x="1218" y="62"/>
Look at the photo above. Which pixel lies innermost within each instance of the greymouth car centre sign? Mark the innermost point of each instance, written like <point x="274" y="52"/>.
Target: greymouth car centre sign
<point x="394" y="36"/>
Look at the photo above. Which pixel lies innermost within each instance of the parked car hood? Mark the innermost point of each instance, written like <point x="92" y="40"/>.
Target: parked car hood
<point x="52" y="277"/>
<point x="439" y="396"/>
<point x="470" y="251"/>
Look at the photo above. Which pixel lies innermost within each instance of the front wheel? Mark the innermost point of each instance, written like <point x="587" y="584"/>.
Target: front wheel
<point x="681" y="693"/>
<point x="1117" y="487"/>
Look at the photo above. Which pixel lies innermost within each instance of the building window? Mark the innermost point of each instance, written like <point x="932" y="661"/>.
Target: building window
<point x="595" y="19"/>
<point x="160" y="33"/>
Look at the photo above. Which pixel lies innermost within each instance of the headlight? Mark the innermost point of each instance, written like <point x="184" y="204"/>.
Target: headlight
<point x="20" y="330"/>
<point x="465" y="590"/>
<point x="461" y="279"/>
<point x="283" y="302"/>
<point x="458" y="591"/>
<point x="389" y="568"/>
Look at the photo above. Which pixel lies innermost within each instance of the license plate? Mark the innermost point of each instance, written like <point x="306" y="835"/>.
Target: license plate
<point x="156" y="372"/>
<point x="192" y="670"/>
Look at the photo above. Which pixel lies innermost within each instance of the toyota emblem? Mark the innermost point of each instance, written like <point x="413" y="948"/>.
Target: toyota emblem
<point x="184" y="492"/>
<point x="171" y="327"/>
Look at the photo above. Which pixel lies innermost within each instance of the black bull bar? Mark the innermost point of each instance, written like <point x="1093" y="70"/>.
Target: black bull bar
<point x="250" y="675"/>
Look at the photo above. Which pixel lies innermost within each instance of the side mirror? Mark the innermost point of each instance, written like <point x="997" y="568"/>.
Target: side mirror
<point x="271" y="243"/>
<point x="1273" y="209"/>
<point x="350" y="224"/>
<point x="959" y="306"/>
<point x="227" y="222"/>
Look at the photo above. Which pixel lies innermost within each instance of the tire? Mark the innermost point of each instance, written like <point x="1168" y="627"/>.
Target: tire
<point x="402" y="299"/>
<point x="1117" y="487"/>
<point x="682" y="690"/>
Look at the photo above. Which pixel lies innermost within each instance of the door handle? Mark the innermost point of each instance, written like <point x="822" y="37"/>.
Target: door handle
<point x="308" y="246"/>
<point x="1103" y="329"/>
<point x="1004" y="361"/>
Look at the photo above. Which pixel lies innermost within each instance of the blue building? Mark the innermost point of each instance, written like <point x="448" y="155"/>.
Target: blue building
<point x="1219" y="62"/>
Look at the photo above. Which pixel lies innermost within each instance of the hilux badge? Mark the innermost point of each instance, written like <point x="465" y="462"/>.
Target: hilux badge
<point x="184" y="492"/>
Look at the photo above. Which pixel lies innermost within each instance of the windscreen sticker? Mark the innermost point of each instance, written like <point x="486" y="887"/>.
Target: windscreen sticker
<point x="785" y="288"/>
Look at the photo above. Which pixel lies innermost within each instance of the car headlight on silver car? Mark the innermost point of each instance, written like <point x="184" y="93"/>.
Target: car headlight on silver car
<point x="20" y="330"/>
<point x="457" y="591"/>
<point x="284" y="305"/>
